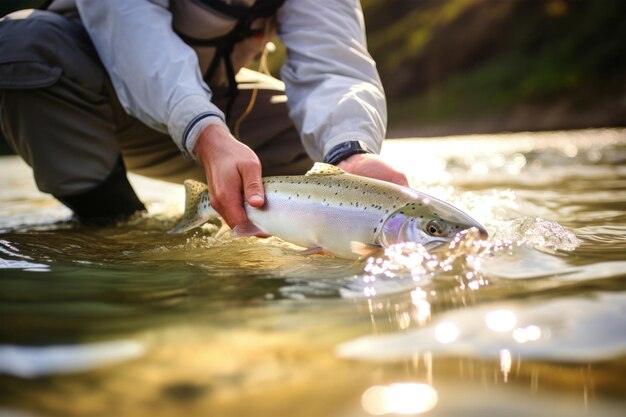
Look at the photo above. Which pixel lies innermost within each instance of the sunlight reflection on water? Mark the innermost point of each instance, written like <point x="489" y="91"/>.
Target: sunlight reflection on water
<point x="233" y="326"/>
<point x="532" y="330"/>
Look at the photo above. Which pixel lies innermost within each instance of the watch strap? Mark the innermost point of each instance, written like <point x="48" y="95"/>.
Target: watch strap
<point x="344" y="150"/>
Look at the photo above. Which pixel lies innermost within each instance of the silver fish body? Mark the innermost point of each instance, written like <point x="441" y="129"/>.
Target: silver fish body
<point x="340" y="213"/>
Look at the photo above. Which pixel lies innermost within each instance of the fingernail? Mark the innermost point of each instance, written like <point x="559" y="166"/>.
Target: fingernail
<point x="256" y="199"/>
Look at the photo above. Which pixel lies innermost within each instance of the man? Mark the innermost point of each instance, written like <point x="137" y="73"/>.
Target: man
<point x="91" y="88"/>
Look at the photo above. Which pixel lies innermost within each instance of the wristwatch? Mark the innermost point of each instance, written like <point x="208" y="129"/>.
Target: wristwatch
<point x="342" y="151"/>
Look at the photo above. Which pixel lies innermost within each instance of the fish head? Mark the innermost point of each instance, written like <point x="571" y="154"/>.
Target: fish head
<point x="427" y="221"/>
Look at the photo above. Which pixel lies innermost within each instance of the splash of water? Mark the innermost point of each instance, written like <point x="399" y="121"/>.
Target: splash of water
<point x="539" y="233"/>
<point x="406" y="266"/>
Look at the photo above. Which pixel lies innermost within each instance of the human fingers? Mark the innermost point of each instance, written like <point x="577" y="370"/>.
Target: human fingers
<point x="373" y="166"/>
<point x="225" y="195"/>
<point x="221" y="156"/>
<point x="399" y="178"/>
<point x="250" y="170"/>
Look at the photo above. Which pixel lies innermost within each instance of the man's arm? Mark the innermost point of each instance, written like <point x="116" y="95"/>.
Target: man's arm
<point x="335" y="93"/>
<point x="155" y="74"/>
<point x="157" y="79"/>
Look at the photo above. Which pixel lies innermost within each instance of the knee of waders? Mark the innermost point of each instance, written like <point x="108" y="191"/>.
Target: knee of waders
<point x="38" y="48"/>
<point x="112" y="200"/>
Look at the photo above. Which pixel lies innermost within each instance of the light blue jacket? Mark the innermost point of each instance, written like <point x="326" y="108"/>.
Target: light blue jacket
<point x="333" y="88"/>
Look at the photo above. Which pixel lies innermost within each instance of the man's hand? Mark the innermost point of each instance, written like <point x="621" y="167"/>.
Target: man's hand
<point x="232" y="170"/>
<point x="373" y="166"/>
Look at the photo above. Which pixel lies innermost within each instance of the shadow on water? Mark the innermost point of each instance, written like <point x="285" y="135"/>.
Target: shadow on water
<point x="129" y="320"/>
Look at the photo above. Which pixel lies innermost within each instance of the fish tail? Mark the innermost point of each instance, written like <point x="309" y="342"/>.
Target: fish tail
<point x="197" y="207"/>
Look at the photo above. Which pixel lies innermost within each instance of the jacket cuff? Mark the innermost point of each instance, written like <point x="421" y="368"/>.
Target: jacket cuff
<point x="188" y="118"/>
<point x="371" y="143"/>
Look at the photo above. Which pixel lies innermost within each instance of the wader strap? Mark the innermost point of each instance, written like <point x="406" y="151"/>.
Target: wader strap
<point x="223" y="54"/>
<point x="223" y="50"/>
<point x="232" y="82"/>
<point x="261" y="8"/>
<point x="224" y="44"/>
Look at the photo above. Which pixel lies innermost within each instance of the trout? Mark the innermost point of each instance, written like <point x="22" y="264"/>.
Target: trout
<point x="328" y="210"/>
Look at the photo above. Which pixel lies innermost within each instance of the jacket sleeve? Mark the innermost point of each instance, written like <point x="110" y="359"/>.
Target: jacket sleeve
<point x="335" y="93"/>
<point x="155" y="74"/>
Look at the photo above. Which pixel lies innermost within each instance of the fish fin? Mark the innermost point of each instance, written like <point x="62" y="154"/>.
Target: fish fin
<point x="249" y="229"/>
<point x="365" y="249"/>
<point x="186" y="224"/>
<point x="197" y="208"/>
<point x="193" y="194"/>
<point x="312" y="251"/>
<point x="223" y="229"/>
<point x="320" y="168"/>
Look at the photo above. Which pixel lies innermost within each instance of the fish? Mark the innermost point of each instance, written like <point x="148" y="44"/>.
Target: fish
<point x="330" y="211"/>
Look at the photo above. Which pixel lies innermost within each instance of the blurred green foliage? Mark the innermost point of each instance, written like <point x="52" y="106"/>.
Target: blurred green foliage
<point x="455" y="60"/>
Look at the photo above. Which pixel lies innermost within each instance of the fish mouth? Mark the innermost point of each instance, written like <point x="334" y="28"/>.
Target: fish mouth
<point x="437" y="243"/>
<point x="461" y="220"/>
<point x="410" y="223"/>
<point x="473" y="224"/>
<point x="434" y="244"/>
<point x="483" y="232"/>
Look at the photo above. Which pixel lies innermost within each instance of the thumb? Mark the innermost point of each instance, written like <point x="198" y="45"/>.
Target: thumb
<point x="252" y="183"/>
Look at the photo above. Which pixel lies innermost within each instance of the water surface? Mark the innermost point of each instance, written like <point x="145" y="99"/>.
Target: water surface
<point x="130" y="321"/>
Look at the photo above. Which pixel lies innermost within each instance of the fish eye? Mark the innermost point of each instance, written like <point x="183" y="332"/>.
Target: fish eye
<point x="433" y="228"/>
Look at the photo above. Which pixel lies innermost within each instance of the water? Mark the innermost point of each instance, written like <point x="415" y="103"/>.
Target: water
<point x="130" y="321"/>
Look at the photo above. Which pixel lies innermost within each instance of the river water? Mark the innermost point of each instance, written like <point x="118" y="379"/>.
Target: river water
<point x="130" y="321"/>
